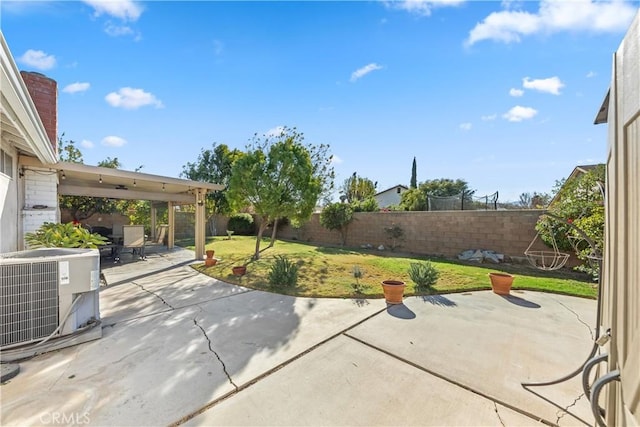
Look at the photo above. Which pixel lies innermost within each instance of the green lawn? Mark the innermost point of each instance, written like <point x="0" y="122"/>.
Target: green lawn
<point x="328" y="271"/>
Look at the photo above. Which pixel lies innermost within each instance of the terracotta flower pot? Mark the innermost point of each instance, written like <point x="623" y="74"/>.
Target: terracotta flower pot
<point x="501" y="283"/>
<point x="210" y="262"/>
<point x="210" y="253"/>
<point x="239" y="270"/>
<point x="393" y="291"/>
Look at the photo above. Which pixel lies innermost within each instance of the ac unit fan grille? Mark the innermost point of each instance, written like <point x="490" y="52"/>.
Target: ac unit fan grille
<point x="28" y="301"/>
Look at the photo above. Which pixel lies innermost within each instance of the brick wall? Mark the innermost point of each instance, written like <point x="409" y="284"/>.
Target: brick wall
<point x="445" y="233"/>
<point x="44" y="93"/>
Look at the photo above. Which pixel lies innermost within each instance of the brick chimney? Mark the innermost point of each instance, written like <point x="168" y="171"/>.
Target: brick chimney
<point x="44" y="93"/>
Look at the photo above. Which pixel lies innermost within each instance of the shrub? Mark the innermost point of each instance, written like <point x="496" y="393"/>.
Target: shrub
<point x="424" y="274"/>
<point x="357" y="274"/>
<point x="53" y="235"/>
<point x="284" y="273"/>
<point x="242" y="224"/>
<point x="369" y="204"/>
<point x="337" y="216"/>
<point x="395" y="234"/>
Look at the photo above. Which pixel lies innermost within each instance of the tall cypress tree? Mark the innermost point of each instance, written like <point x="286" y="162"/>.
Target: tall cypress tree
<point x="414" y="178"/>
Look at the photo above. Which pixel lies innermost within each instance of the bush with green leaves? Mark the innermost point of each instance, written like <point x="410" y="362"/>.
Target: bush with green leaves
<point x="337" y="216"/>
<point x="69" y="235"/>
<point x="369" y="204"/>
<point x="579" y="203"/>
<point x="423" y="274"/>
<point x="242" y="224"/>
<point x="283" y="273"/>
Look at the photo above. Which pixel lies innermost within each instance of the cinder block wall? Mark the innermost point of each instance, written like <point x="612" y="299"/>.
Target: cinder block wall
<point x="442" y="233"/>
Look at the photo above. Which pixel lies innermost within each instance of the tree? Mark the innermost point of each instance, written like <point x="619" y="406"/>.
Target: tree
<point x="337" y="216"/>
<point x="416" y="199"/>
<point x="356" y="188"/>
<point x="444" y="187"/>
<point x="280" y="176"/>
<point x="534" y="201"/>
<point x="67" y="151"/>
<point x="213" y="165"/>
<point x="82" y="207"/>
<point x="413" y="200"/>
<point x="414" y="175"/>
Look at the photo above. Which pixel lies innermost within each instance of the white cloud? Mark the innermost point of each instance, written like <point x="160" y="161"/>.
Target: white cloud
<point x="117" y="30"/>
<point x="361" y="72"/>
<point x="551" y="85"/>
<point x="335" y="160"/>
<point x="127" y="10"/>
<point x="421" y="7"/>
<point x="274" y="132"/>
<point x="131" y="99"/>
<point x="85" y="143"/>
<point x="38" y="59"/>
<point x="76" y="87"/>
<point x="465" y="126"/>
<point x="113" y="141"/>
<point x="516" y="92"/>
<point x="554" y="16"/>
<point x="591" y="74"/>
<point x="518" y="113"/>
<point x="489" y="118"/>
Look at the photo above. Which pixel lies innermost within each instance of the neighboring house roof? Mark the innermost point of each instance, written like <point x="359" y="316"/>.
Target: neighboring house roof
<point x="392" y="189"/>
<point x="578" y="170"/>
<point x="19" y="119"/>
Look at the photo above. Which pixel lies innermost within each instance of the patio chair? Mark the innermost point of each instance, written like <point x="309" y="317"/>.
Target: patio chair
<point x="133" y="238"/>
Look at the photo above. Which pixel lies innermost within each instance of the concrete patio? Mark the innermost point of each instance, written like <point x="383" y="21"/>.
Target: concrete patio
<point x="182" y="348"/>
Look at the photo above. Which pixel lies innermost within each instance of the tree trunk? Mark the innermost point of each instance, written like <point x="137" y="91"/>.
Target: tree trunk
<point x="274" y="233"/>
<point x="212" y="224"/>
<point x="263" y="226"/>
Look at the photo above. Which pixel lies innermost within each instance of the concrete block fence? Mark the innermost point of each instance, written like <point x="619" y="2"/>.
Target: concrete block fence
<point x="437" y="233"/>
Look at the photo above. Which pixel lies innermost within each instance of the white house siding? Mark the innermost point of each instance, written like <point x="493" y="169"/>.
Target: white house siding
<point x="389" y="197"/>
<point x="41" y="191"/>
<point x="9" y="204"/>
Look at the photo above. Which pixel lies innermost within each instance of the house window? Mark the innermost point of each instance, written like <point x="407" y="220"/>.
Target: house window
<point x="6" y="164"/>
<point x="398" y="190"/>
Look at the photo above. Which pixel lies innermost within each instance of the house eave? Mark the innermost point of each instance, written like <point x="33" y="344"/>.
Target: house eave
<point x="21" y="124"/>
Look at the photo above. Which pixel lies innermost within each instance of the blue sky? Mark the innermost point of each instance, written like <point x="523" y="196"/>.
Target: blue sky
<point x="500" y="94"/>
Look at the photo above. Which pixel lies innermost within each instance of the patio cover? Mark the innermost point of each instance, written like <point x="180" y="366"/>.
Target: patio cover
<point x="77" y="179"/>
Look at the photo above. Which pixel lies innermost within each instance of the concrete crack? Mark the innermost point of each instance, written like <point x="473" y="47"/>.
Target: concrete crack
<point x="565" y="411"/>
<point x="224" y="367"/>
<point x="155" y="295"/>
<point x="495" y="408"/>
<point x="593" y="338"/>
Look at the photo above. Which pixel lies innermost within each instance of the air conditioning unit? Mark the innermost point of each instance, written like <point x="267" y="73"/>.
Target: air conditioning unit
<point x="47" y="291"/>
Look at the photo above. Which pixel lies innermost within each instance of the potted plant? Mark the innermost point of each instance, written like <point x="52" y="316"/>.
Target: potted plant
<point x="501" y="283"/>
<point x="210" y="259"/>
<point x="393" y="291"/>
<point x="239" y="270"/>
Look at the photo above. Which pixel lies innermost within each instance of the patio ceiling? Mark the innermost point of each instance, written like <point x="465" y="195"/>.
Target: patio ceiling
<point x="77" y="179"/>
